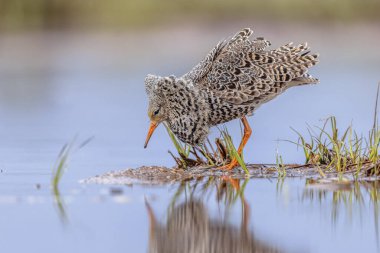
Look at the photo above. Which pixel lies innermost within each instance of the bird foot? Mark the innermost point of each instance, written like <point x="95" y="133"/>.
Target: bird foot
<point x="234" y="163"/>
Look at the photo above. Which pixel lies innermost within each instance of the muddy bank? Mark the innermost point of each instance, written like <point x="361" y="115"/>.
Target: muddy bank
<point x="154" y="175"/>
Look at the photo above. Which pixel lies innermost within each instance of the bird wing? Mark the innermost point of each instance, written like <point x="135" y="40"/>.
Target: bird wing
<point x="239" y="70"/>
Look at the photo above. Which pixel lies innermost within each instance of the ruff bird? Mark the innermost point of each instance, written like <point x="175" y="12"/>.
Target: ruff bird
<point x="235" y="78"/>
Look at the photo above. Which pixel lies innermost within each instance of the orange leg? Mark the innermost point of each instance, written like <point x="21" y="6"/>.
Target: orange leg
<point x="247" y="133"/>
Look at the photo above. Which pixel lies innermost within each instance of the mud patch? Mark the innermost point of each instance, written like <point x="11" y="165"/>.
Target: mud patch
<point x="155" y="175"/>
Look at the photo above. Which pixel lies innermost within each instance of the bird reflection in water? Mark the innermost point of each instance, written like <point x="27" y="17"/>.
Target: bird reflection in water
<point x="190" y="227"/>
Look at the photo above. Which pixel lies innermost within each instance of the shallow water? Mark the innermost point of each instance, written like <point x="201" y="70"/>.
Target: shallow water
<point x="270" y="214"/>
<point x="56" y="86"/>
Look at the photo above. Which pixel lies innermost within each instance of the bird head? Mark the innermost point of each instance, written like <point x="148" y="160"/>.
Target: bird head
<point x="156" y="88"/>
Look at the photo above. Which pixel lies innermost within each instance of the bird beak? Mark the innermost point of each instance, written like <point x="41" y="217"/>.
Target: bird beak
<point x="152" y="127"/>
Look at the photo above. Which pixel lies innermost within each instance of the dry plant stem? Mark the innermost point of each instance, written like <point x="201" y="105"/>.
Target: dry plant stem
<point x="175" y="159"/>
<point x="211" y="160"/>
<point x="212" y="149"/>
<point x="206" y="149"/>
<point x="221" y="149"/>
<point x="199" y="160"/>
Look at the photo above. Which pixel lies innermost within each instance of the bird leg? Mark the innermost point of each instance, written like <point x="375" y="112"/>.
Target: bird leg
<point x="233" y="181"/>
<point x="247" y="133"/>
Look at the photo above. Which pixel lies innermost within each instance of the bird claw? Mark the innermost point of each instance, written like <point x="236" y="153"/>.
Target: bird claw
<point x="234" y="163"/>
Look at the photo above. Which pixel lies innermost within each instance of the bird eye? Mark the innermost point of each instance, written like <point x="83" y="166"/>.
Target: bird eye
<point x="156" y="112"/>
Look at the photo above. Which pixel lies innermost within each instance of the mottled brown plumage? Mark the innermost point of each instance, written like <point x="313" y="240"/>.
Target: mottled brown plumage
<point x="234" y="79"/>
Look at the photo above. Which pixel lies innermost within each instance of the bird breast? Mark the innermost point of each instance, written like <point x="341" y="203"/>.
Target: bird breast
<point x="189" y="114"/>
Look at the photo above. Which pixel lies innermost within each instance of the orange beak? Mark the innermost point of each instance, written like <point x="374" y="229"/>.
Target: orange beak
<point x="152" y="127"/>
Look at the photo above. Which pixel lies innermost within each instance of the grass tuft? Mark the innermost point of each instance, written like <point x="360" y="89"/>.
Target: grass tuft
<point x="206" y="155"/>
<point x="332" y="150"/>
<point x="281" y="169"/>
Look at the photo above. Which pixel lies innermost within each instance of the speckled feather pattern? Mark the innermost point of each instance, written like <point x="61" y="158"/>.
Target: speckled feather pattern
<point x="233" y="80"/>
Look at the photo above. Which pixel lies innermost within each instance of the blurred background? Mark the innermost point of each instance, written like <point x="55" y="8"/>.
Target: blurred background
<point x="121" y="14"/>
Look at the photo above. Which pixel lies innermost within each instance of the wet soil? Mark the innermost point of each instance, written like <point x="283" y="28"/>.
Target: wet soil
<point x="155" y="175"/>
